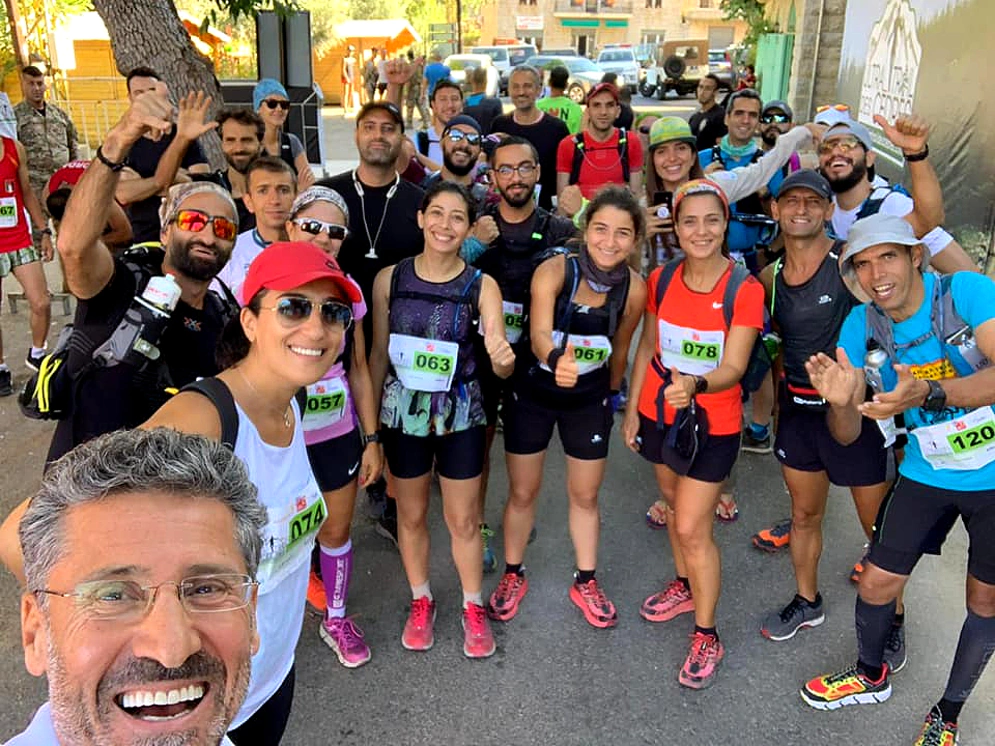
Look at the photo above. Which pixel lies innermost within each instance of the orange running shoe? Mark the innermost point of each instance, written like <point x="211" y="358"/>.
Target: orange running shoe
<point x="316" y="597"/>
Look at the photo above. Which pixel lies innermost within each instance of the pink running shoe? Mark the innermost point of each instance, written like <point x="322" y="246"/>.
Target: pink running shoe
<point x="590" y="599"/>
<point x="346" y="640"/>
<point x="507" y="596"/>
<point x="478" y="642"/>
<point x="675" y="599"/>
<point x="418" y="633"/>
<point x="698" y="671"/>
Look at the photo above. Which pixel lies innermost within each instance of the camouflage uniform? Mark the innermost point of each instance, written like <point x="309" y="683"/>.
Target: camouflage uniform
<point x="49" y="140"/>
<point x="415" y="95"/>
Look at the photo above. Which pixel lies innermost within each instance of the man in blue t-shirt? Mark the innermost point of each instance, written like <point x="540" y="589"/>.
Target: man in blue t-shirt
<point x="434" y="72"/>
<point x="935" y="337"/>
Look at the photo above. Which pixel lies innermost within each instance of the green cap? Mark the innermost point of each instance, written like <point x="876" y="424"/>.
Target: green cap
<point x="669" y="129"/>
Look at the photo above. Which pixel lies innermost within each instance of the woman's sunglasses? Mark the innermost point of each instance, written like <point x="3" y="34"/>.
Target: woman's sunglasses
<point x="294" y="310"/>
<point x="196" y="220"/>
<point x="317" y="227"/>
<point x="275" y="102"/>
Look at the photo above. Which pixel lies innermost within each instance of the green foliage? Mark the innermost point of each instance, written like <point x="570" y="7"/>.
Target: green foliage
<point x="752" y="12"/>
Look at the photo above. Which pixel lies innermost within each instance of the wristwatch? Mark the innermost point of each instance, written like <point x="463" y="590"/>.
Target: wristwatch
<point x="936" y="399"/>
<point x="373" y="437"/>
<point x="700" y="384"/>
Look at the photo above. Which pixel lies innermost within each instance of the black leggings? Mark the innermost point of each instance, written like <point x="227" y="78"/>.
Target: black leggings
<point x="267" y="724"/>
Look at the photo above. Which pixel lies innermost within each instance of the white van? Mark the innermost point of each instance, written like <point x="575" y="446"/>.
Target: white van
<point x="500" y="60"/>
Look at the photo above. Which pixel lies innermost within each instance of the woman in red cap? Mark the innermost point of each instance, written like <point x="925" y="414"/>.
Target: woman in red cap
<point x="340" y="429"/>
<point x="436" y="321"/>
<point x="298" y="309"/>
<point x="684" y="410"/>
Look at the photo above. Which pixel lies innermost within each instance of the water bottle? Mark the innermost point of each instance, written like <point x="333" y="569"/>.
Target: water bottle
<point x="874" y="360"/>
<point x="135" y="341"/>
<point x="161" y="294"/>
<point x="772" y="342"/>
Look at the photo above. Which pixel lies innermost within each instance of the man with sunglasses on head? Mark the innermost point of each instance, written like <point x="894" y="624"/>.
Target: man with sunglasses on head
<point x="145" y="634"/>
<point x="111" y="388"/>
<point x="846" y="159"/>
<point x="271" y="186"/>
<point x="156" y="163"/>
<point x="383" y="222"/>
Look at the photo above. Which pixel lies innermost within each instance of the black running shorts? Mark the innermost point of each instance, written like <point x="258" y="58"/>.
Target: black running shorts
<point x="335" y="462"/>
<point x="915" y="519"/>
<point x="713" y="463"/>
<point x="584" y="431"/>
<point x="458" y="455"/>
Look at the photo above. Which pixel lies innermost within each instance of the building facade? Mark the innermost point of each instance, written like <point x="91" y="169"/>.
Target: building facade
<point x="588" y="25"/>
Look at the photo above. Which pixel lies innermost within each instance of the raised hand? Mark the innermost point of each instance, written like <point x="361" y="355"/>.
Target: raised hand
<point x="908" y="393"/>
<point x="680" y="391"/>
<point x="194" y="118"/>
<point x="486" y="230"/>
<point x="570" y="200"/>
<point x="837" y="381"/>
<point x="150" y="112"/>
<point x="567" y="373"/>
<point x="498" y="350"/>
<point x="909" y="133"/>
<point x="398" y="71"/>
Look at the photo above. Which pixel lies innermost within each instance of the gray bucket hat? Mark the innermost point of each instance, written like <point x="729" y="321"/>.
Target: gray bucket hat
<point x="876" y="230"/>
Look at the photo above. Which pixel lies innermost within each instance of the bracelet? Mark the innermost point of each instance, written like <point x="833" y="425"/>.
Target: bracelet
<point x="373" y="437"/>
<point x="915" y="157"/>
<point x="553" y="358"/>
<point x="115" y="167"/>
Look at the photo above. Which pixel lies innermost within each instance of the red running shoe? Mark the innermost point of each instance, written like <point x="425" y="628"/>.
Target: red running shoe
<point x="478" y="641"/>
<point x="507" y="596"/>
<point x="418" y="634"/>
<point x="675" y="599"/>
<point x="698" y="671"/>
<point x="590" y="599"/>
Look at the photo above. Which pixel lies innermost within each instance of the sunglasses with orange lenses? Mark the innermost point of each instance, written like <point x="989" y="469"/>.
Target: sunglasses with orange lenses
<point x="196" y="220"/>
<point x="835" y="107"/>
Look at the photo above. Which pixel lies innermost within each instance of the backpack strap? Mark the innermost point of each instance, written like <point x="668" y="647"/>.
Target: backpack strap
<point x="616" y="300"/>
<point x="421" y="139"/>
<point x="301" y="397"/>
<point x="623" y="154"/>
<point x="578" y="159"/>
<point x="872" y="205"/>
<point x="663" y="281"/>
<point x="571" y="277"/>
<point x="738" y="275"/>
<point x="220" y="396"/>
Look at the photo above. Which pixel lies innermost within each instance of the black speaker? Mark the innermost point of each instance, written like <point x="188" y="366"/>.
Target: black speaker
<point x="269" y="45"/>
<point x="297" y="50"/>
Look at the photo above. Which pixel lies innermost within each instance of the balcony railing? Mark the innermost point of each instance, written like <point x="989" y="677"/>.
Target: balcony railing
<point x="594" y="7"/>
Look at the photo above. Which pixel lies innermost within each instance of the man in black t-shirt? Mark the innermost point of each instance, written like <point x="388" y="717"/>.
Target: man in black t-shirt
<point x="154" y="165"/>
<point x="199" y="222"/>
<point x="708" y="123"/>
<point x="529" y="122"/>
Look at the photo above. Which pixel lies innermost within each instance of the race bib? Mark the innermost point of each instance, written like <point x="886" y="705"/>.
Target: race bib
<point x="423" y="364"/>
<point x="590" y="353"/>
<point x="691" y="351"/>
<point x="514" y="321"/>
<point x="8" y="212"/>
<point x="966" y="443"/>
<point x="326" y="404"/>
<point x="288" y="536"/>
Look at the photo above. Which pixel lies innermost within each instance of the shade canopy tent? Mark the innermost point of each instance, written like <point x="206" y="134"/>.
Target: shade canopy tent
<point x="392" y="34"/>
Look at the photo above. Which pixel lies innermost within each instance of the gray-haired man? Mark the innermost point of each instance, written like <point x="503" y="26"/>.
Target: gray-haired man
<point x="145" y="634"/>
<point x="199" y="225"/>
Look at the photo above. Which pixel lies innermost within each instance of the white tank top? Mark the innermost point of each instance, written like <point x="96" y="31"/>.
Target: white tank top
<point x="293" y="502"/>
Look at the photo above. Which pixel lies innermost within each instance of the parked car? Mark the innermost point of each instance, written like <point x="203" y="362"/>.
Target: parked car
<point x="501" y="60"/>
<point x="461" y="64"/>
<point x="685" y="62"/>
<point x="560" y="52"/>
<point x="584" y="74"/>
<point x="720" y="65"/>
<point x="517" y="55"/>
<point x="621" y="61"/>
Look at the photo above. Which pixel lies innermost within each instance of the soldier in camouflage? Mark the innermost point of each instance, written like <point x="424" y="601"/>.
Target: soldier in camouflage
<point x="46" y="132"/>
<point x="415" y="92"/>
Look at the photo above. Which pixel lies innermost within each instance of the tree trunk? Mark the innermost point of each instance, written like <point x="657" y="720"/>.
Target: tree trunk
<point x="18" y="41"/>
<point x="149" y="33"/>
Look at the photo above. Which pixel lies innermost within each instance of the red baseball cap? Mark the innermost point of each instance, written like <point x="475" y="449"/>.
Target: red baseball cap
<point x="67" y="176"/>
<point x="286" y="265"/>
<point x="603" y="88"/>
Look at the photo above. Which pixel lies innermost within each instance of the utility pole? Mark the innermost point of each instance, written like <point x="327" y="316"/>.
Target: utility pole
<point x="459" y="26"/>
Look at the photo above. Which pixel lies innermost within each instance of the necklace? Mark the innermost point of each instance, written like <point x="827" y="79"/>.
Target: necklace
<point x="287" y="417"/>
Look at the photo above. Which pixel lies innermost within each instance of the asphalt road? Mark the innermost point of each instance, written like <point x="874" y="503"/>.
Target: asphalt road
<point x="555" y="680"/>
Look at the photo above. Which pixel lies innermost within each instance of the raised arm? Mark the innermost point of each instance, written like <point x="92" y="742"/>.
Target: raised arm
<point x="742" y="182"/>
<point x="909" y="134"/>
<point x="87" y="263"/>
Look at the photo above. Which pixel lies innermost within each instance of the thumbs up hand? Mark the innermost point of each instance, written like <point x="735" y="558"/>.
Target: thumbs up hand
<point x="680" y="390"/>
<point x="500" y="352"/>
<point x="566" y="372"/>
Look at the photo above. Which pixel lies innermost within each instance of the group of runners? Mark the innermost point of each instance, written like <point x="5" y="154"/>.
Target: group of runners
<point x="418" y="321"/>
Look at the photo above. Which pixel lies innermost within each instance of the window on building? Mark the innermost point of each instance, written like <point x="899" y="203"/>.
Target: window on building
<point x="583" y="43"/>
<point x="651" y="37"/>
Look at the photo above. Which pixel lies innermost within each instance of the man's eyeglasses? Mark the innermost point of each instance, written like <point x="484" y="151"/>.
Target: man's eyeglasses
<point x="316" y="227"/>
<point x="129" y="601"/>
<point x="293" y="310"/>
<point x="471" y="137"/>
<point x="845" y="144"/>
<point x="775" y="119"/>
<point x="525" y="170"/>
<point x="273" y="103"/>
<point x="196" y="220"/>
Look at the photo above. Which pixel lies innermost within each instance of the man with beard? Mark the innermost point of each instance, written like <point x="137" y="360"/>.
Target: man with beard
<point x="523" y="232"/>
<point x="601" y="154"/>
<point x="241" y="132"/>
<point x="198" y="230"/>
<point x="145" y="634"/>
<point x="708" y="123"/>
<point x="383" y="219"/>
<point x="544" y="131"/>
<point x="776" y="118"/>
<point x="461" y="142"/>
<point x="846" y="159"/>
<point x="271" y="185"/>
